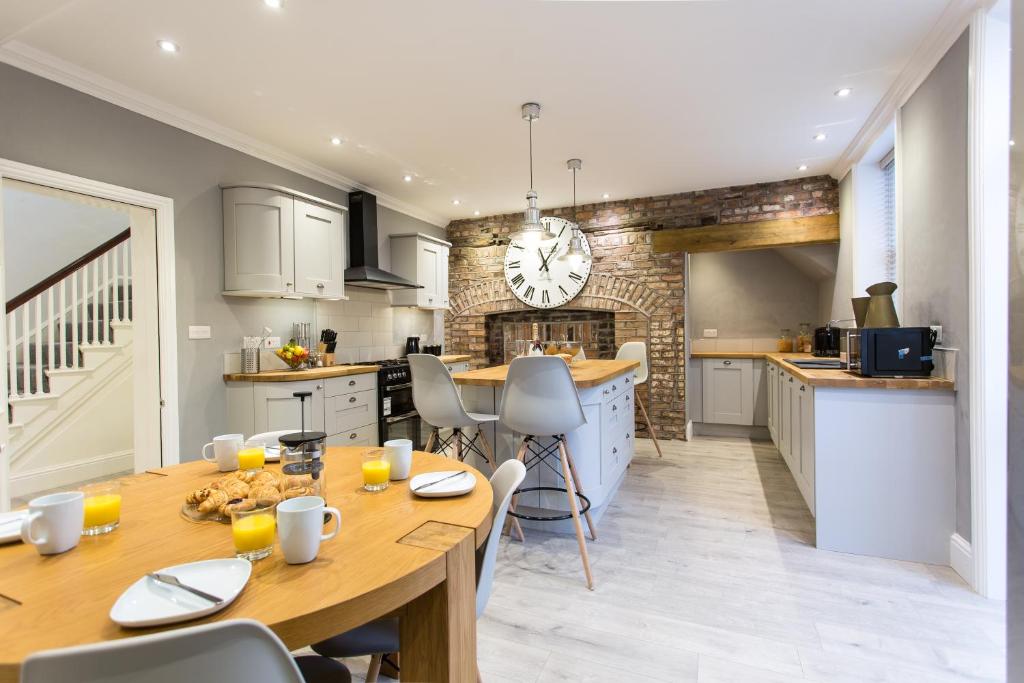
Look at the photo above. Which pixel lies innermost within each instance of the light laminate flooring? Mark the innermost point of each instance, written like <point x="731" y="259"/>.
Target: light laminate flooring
<point x="705" y="571"/>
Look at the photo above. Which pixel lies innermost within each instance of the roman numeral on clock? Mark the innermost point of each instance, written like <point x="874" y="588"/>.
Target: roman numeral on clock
<point x="562" y="290"/>
<point x="529" y="292"/>
<point x="518" y="280"/>
<point x="515" y="246"/>
<point x="544" y="298"/>
<point x="514" y="264"/>
<point x="576" y="276"/>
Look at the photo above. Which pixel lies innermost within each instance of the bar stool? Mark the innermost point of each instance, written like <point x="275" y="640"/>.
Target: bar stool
<point x="438" y="402"/>
<point x="540" y="400"/>
<point x="638" y="351"/>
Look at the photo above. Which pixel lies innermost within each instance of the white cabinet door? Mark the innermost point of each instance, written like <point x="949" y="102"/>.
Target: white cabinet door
<point x="258" y="240"/>
<point x="442" y="283"/>
<point x="759" y="380"/>
<point x="795" y="429"/>
<point x="785" y="417"/>
<point x="458" y="367"/>
<point x="773" y="376"/>
<point x="277" y="408"/>
<point x="807" y="453"/>
<point x="424" y="260"/>
<point x="728" y="391"/>
<point x="319" y="261"/>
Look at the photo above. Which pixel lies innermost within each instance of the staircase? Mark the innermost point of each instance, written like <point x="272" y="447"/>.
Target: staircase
<point x="69" y="373"/>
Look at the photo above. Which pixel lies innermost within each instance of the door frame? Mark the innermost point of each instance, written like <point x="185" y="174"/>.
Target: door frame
<point x="162" y="388"/>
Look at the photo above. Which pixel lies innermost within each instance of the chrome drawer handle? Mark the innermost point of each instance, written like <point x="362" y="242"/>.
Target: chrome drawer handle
<point x="353" y="435"/>
<point x="614" y="387"/>
<point x="351" y="382"/>
<point x="790" y="380"/>
<point x="606" y="392"/>
<point x="627" y="380"/>
<point x="726" y="362"/>
<point x="614" y="451"/>
<point x="615" y="407"/>
<point x="351" y="399"/>
<point x="803" y="388"/>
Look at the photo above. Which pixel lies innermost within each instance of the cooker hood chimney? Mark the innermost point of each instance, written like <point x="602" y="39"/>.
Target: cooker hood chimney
<point x="362" y="245"/>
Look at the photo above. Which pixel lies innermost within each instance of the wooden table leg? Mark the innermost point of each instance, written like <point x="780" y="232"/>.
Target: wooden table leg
<point x="438" y="631"/>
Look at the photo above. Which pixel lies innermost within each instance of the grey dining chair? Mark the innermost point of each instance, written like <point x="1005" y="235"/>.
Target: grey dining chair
<point x="381" y="637"/>
<point x="234" y="651"/>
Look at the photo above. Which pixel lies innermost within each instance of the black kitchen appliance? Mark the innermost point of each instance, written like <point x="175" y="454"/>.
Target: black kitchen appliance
<point x="398" y="417"/>
<point x="363" y="245"/>
<point x="826" y="342"/>
<point x="412" y="345"/>
<point x="891" y="351"/>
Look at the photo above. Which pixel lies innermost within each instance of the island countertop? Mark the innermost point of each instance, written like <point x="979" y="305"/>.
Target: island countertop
<point x="586" y="373"/>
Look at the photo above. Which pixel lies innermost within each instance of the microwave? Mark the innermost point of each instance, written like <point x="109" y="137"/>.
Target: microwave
<point x="891" y="351"/>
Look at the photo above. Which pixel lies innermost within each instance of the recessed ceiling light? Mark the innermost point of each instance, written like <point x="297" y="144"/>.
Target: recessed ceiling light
<point x="820" y="136"/>
<point x="407" y="178"/>
<point x="336" y="141"/>
<point x="844" y="92"/>
<point x="802" y="167"/>
<point x="476" y="213"/>
<point x="456" y="202"/>
<point x="605" y="195"/>
<point x="168" y="45"/>
<point x="274" y="4"/>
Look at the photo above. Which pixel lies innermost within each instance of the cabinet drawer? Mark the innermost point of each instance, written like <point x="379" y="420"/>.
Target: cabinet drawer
<point x="613" y="389"/>
<point x="348" y="411"/>
<point x="361" y="436"/>
<point x="336" y="386"/>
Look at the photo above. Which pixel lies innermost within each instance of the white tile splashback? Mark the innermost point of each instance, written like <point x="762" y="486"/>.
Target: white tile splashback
<point x="370" y="329"/>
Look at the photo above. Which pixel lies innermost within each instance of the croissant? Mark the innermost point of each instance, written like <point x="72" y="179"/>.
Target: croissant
<point x="198" y="496"/>
<point x="237" y="506"/>
<point x="296" y="481"/>
<point x="265" y="478"/>
<point x="243" y="475"/>
<point x="265" y="495"/>
<point x="301" y="491"/>
<point x="213" y="501"/>
<point x="235" y="489"/>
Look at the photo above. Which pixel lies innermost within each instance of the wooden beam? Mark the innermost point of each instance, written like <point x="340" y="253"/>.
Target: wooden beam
<point x="782" y="232"/>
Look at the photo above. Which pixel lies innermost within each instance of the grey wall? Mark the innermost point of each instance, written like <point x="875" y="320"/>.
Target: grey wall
<point x="48" y="125"/>
<point x="932" y="162"/>
<point x="749" y="294"/>
<point x="42" y="234"/>
<point x="842" y="287"/>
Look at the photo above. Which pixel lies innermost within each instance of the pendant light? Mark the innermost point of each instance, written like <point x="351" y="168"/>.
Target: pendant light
<point x="531" y="231"/>
<point x="576" y="255"/>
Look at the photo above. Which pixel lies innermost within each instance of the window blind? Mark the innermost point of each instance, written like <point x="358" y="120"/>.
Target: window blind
<point x="889" y="208"/>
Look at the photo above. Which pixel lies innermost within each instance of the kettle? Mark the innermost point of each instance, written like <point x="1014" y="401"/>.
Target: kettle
<point x="412" y="345"/>
<point x="881" y="309"/>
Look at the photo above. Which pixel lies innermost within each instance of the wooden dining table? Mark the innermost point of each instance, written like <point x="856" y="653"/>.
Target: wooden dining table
<point x="397" y="554"/>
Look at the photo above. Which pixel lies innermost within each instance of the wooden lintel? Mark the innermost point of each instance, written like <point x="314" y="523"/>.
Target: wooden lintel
<point x="782" y="232"/>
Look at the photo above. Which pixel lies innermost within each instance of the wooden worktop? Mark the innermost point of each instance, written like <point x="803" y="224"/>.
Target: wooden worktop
<point x="456" y="358"/>
<point x="586" y="373"/>
<point x="300" y="375"/>
<point x="833" y="378"/>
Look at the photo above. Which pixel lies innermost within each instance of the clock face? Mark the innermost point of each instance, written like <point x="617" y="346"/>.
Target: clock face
<point x="535" y="274"/>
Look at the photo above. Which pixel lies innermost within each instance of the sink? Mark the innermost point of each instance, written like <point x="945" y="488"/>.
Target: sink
<point x="817" y="363"/>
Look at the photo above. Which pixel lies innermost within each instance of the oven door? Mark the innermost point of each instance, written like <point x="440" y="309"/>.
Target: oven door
<point x="405" y="426"/>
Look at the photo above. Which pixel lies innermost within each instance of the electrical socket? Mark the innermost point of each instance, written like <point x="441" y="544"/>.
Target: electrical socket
<point x="272" y="343"/>
<point x="711" y="333"/>
<point x="938" y="333"/>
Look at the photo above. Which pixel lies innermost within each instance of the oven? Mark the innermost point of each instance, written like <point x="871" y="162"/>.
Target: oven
<point x="398" y="416"/>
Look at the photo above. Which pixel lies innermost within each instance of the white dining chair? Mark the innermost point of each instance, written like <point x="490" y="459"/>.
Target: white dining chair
<point x="638" y="351"/>
<point x="268" y="438"/>
<point x="541" y="402"/>
<point x="380" y="637"/>
<point x="234" y="651"/>
<point x="438" y="402"/>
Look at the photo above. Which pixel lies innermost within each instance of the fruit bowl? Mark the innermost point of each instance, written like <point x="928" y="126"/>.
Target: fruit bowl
<point x="293" y="355"/>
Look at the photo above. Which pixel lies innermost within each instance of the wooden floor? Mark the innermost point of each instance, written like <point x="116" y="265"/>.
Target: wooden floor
<point x="705" y="572"/>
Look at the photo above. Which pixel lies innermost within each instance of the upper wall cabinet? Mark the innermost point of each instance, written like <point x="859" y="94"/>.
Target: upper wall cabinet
<point x="424" y="260"/>
<point x="278" y="242"/>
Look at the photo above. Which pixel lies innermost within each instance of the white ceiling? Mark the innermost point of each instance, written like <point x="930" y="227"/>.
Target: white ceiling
<point x="655" y="97"/>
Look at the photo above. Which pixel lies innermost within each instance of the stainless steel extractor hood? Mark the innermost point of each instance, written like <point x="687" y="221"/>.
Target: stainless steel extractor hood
<point x="362" y="244"/>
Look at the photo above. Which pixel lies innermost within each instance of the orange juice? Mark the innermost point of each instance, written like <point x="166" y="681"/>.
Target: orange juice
<point x="253" y="532"/>
<point x="102" y="510"/>
<point x="251" y="458"/>
<point x="376" y="472"/>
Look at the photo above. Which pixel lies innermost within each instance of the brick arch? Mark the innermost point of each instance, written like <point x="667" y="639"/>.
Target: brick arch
<point x="602" y="292"/>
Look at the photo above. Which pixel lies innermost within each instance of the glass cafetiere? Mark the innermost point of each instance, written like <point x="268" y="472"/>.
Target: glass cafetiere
<point x="302" y="452"/>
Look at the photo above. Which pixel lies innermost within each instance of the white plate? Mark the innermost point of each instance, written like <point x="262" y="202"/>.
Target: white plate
<point x="10" y="525"/>
<point x="148" y="602"/>
<point x="456" y="486"/>
<point x="272" y="453"/>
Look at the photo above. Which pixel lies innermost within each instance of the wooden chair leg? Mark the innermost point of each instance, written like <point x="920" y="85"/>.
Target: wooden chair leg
<point x="580" y="539"/>
<point x="492" y="461"/>
<point x="457" y="438"/>
<point x="431" y="440"/>
<point x="520" y="456"/>
<point x="374" y="670"/>
<point x="650" y="427"/>
<point x="579" y="487"/>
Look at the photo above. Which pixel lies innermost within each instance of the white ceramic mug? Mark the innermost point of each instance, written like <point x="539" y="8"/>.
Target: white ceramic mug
<point x="300" y="523"/>
<point x="54" y="522"/>
<point x="399" y="453"/>
<point x="225" y="451"/>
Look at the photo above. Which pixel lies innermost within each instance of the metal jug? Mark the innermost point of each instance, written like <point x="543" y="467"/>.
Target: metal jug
<point x="881" y="309"/>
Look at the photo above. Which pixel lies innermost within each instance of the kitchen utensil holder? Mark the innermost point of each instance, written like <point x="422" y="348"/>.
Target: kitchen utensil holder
<point x="250" y="361"/>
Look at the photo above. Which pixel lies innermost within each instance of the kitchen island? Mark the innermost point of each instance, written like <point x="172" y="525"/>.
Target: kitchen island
<point x="602" y="448"/>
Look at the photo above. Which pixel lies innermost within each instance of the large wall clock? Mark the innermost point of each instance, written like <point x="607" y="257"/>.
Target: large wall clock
<point x="537" y="277"/>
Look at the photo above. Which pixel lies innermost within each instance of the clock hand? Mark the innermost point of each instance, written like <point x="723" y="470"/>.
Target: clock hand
<point x="543" y="261"/>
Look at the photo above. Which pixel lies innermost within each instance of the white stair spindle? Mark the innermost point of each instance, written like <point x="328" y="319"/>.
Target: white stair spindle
<point x="26" y="365"/>
<point x="62" y="335"/>
<point x="95" y="303"/>
<point x="106" y="297"/>
<point x="115" y="254"/>
<point x="75" y="304"/>
<point x="12" y="354"/>
<point x="39" y="344"/>
<point x="50" y="336"/>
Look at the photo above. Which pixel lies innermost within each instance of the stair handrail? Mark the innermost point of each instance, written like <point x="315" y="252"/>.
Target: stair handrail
<point x="67" y="270"/>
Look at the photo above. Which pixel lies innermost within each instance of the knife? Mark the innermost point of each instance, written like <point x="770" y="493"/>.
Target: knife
<point x="438" y="481"/>
<point x="173" y="581"/>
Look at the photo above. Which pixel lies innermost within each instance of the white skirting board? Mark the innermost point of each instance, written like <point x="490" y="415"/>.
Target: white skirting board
<point x="71" y="473"/>
<point x="960" y="558"/>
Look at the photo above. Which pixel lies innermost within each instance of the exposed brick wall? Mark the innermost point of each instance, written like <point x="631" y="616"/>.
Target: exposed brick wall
<point x="644" y="289"/>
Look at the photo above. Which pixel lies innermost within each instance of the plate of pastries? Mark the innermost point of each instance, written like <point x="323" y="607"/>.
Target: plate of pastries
<point x="244" y="490"/>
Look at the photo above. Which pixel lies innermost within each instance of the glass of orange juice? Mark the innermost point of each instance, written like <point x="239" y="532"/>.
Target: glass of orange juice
<point x="376" y="470"/>
<point x="253" y="532"/>
<point x="251" y="458"/>
<point x="102" y="508"/>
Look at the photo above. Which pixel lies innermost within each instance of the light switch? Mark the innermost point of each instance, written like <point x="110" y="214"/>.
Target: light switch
<point x="711" y="334"/>
<point x="199" y="332"/>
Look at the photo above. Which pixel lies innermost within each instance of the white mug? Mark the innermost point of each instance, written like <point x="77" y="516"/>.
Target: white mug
<point x="399" y="453"/>
<point x="225" y="451"/>
<point x="300" y="522"/>
<point x="54" y="522"/>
